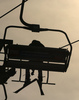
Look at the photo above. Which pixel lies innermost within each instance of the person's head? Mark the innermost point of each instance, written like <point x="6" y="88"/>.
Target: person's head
<point x="36" y="43"/>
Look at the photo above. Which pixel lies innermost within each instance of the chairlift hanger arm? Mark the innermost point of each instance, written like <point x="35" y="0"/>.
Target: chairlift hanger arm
<point x="33" y="27"/>
<point x="21" y="14"/>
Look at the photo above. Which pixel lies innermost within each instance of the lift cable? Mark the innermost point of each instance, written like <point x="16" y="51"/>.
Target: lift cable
<point x="12" y="9"/>
<point x="71" y="43"/>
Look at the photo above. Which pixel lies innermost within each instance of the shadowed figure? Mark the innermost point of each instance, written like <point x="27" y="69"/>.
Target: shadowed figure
<point x="35" y="43"/>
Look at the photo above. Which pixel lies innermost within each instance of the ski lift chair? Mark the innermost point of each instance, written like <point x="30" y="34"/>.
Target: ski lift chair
<point x="54" y="59"/>
<point x="58" y="57"/>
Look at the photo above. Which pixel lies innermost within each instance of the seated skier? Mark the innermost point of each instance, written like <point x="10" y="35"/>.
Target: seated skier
<point x="36" y="44"/>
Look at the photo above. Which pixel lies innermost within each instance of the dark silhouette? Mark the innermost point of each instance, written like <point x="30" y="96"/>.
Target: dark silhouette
<point x="28" y="81"/>
<point x="34" y="43"/>
<point x="4" y="76"/>
<point x="58" y="55"/>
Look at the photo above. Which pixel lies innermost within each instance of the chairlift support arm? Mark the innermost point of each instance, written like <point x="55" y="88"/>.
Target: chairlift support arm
<point x="21" y="15"/>
<point x="33" y="27"/>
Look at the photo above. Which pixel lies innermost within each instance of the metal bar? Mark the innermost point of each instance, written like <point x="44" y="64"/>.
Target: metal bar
<point x="17" y="81"/>
<point x="5" y="91"/>
<point x="20" y="75"/>
<point x="25" y="85"/>
<point x="49" y="83"/>
<point x="36" y="66"/>
<point x="40" y="86"/>
<point x="47" y="76"/>
<point x="12" y="9"/>
<point x="21" y="15"/>
<point x="2" y="53"/>
<point x="33" y="27"/>
<point x="1" y="60"/>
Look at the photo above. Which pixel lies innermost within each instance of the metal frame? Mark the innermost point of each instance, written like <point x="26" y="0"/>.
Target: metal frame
<point x="33" y="28"/>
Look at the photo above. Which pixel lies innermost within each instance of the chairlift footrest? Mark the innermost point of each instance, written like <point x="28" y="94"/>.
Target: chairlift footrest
<point x="17" y="81"/>
<point x="49" y="83"/>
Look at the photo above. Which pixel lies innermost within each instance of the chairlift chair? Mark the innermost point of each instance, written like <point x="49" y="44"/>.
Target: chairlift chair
<point x="54" y="59"/>
<point x="58" y="57"/>
<point x="18" y="56"/>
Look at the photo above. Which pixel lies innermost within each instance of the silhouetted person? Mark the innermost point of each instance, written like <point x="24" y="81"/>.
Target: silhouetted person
<point x="34" y="43"/>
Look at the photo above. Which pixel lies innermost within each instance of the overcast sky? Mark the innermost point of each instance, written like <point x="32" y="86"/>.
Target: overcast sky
<point x="57" y="14"/>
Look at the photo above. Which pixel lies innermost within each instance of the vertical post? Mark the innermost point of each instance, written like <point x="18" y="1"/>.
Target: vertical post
<point x="5" y="91"/>
<point x="40" y="81"/>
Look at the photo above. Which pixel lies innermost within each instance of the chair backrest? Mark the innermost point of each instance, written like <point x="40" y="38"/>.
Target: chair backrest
<point x="37" y="53"/>
<point x="44" y="58"/>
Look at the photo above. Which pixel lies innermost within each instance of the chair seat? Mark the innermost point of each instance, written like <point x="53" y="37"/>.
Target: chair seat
<point x="35" y="65"/>
<point x="23" y="56"/>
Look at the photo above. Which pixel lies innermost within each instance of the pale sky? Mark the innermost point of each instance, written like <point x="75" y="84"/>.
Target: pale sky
<point x="55" y="14"/>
